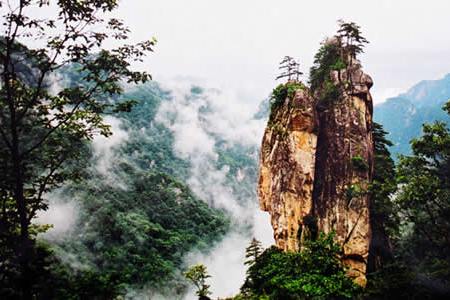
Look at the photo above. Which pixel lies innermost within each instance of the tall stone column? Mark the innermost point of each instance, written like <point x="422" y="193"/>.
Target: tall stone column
<point x="344" y="164"/>
<point x="287" y="167"/>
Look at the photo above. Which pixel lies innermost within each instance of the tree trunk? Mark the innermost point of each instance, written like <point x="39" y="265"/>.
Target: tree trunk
<point x="23" y="251"/>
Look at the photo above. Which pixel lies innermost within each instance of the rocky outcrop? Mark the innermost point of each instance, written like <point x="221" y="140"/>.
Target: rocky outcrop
<point x="322" y="171"/>
<point x="287" y="167"/>
<point x="344" y="162"/>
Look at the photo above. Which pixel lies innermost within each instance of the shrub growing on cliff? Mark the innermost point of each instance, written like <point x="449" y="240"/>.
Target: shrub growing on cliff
<point x="359" y="164"/>
<point x="327" y="59"/>
<point x="283" y="91"/>
<point x="314" y="273"/>
<point x="280" y="93"/>
<point x="334" y="55"/>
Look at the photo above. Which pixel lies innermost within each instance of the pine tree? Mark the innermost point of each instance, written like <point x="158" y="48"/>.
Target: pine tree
<point x="290" y="69"/>
<point x="383" y="217"/>
<point x="350" y="38"/>
<point x="252" y="252"/>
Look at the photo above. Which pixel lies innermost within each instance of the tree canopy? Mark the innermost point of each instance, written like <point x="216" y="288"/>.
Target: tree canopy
<point x="350" y="37"/>
<point x="43" y="128"/>
<point x="313" y="273"/>
<point x="424" y="197"/>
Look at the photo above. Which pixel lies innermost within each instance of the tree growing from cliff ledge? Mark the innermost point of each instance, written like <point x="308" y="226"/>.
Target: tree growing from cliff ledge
<point x="383" y="217"/>
<point x="351" y="39"/>
<point x="42" y="130"/>
<point x="335" y="54"/>
<point x="290" y="69"/>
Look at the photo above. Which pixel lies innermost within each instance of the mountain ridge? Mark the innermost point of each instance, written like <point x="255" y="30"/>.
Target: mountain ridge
<point x="403" y="116"/>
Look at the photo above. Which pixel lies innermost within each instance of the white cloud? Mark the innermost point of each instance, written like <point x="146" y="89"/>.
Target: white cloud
<point x="228" y="116"/>
<point x="196" y="122"/>
<point x="62" y="214"/>
<point x="105" y="150"/>
<point x="237" y="44"/>
<point x="181" y="116"/>
<point x="225" y="261"/>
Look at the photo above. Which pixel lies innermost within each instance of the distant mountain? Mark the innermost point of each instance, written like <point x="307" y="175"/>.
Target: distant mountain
<point x="429" y="93"/>
<point x="404" y="115"/>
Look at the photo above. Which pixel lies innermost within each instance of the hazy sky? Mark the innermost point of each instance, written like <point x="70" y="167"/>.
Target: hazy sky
<point x="237" y="44"/>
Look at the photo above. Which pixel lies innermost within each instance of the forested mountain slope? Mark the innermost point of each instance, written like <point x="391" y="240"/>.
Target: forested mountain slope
<point x="403" y="116"/>
<point x="135" y="215"/>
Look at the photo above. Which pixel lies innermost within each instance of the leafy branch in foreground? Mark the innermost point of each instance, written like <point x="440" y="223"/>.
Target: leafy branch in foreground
<point x="42" y="130"/>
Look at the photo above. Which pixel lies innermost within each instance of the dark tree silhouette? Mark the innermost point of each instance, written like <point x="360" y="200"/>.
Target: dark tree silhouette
<point x="349" y="35"/>
<point x="252" y="252"/>
<point x="290" y="69"/>
<point x="41" y="130"/>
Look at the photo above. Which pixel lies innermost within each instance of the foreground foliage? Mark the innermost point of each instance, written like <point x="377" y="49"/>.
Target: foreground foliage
<point x="417" y="221"/>
<point x="313" y="273"/>
<point x="41" y="129"/>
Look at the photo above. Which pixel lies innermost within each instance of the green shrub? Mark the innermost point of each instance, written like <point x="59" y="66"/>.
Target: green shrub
<point x="281" y="93"/>
<point x="326" y="60"/>
<point x="338" y="65"/>
<point x="314" y="273"/>
<point x="359" y="164"/>
<point x="329" y="93"/>
<point x="354" y="191"/>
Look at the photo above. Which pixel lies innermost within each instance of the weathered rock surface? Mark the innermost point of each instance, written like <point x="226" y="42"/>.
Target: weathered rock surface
<point x="323" y="171"/>
<point x="287" y="167"/>
<point x="344" y="163"/>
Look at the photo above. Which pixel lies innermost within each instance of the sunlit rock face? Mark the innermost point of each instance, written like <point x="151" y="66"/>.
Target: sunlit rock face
<point x="287" y="167"/>
<point x="319" y="163"/>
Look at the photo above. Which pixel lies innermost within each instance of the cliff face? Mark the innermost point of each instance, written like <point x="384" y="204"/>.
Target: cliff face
<point x="344" y="169"/>
<point x="287" y="167"/>
<point x="318" y="162"/>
